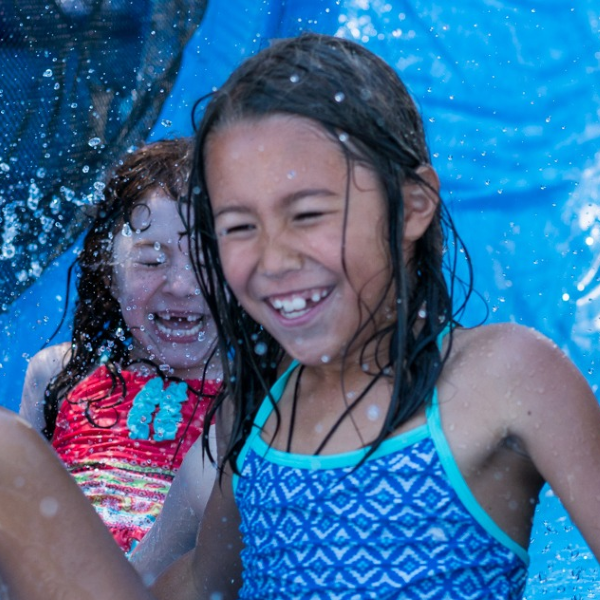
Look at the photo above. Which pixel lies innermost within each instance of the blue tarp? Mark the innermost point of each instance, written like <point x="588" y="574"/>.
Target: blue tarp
<point x="511" y="97"/>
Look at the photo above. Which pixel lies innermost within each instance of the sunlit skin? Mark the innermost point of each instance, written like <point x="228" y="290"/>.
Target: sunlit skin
<point x="284" y="201"/>
<point x="155" y="285"/>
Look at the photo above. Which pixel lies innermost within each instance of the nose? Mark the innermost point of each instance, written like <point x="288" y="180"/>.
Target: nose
<point x="279" y="254"/>
<point x="180" y="278"/>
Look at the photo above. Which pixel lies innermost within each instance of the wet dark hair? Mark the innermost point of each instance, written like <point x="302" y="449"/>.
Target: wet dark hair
<point x="100" y="334"/>
<point x="362" y="104"/>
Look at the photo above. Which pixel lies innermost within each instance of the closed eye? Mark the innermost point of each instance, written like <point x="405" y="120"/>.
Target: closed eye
<point x="235" y="229"/>
<point x="154" y="263"/>
<point x="151" y="261"/>
<point x="304" y="216"/>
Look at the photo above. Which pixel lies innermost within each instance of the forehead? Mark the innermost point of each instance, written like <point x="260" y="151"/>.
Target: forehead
<point x="154" y="207"/>
<point x="289" y="146"/>
<point x="155" y="218"/>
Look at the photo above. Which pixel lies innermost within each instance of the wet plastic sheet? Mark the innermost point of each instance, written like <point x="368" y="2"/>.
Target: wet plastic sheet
<point x="81" y="82"/>
<point x="510" y="91"/>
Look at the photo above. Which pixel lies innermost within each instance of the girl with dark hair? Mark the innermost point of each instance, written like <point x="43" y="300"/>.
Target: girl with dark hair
<point x="125" y="399"/>
<point x="370" y="446"/>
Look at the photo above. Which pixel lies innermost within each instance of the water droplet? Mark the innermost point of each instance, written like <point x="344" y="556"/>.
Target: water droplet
<point x="34" y="196"/>
<point x="339" y="97"/>
<point x="325" y="359"/>
<point x="166" y="123"/>
<point x="36" y="269"/>
<point x="343" y="137"/>
<point x="126" y="230"/>
<point x="294" y="78"/>
<point x="373" y="412"/>
<point x="291" y="175"/>
<point x="96" y="141"/>
<point x="8" y="251"/>
<point x="47" y="73"/>
<point x="260" y="348"/>
<point x="48" y="507"/>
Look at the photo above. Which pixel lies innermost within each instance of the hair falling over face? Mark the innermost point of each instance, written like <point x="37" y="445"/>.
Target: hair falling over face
<point x="361" y="104"/>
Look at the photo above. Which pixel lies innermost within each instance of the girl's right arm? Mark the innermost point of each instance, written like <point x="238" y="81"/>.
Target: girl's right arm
<point x="213" y="568"/>
<point x="44" y="365"/>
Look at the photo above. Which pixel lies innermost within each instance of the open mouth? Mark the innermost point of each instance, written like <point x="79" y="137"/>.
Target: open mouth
<point x="296" y="305"/>
<point x="179" y="326"/>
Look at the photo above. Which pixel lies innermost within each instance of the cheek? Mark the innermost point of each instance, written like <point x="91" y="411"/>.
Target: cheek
<point x="117" y="284"/>
<point x="131" y="289"/>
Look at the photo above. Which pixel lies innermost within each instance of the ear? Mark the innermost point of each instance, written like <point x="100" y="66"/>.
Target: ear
<point x="420" y="203"/>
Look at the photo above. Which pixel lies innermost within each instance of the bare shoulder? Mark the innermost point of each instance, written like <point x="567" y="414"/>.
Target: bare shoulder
<point x="521" y="377"/>
<point x="43" y="366"/>
<point x="512" y="354"/>
<point x="502" y="337"/>
<point x="49" y="361"/>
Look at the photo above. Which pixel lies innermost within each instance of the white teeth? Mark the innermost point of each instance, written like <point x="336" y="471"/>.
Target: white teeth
<point x="293" y="307"/>
<point x="179" y="332"/>
<point x="287" y="306"/>
<point x="298" y="304"/>
<point x="168" y="317"/>
<point x="173" y="325"/>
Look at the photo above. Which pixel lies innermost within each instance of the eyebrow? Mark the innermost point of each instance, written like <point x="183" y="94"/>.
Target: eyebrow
<point x="151" y="241"/>
<point x="286" y="200"/>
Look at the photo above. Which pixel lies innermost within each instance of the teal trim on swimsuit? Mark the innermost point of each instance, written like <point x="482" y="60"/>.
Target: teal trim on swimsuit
<point x="316" y="461"/>
<point x="342" y="459"/>
<point x="460" y="485"/>
<point x="262" y="415"/>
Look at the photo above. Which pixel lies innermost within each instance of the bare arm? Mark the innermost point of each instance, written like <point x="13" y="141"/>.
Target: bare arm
<point x="555" y="414"/>
<point x="52" y="542"/>
<point x="176" y="528"/>
<point x="45" y="365"/>
<point x="213" y="567"/>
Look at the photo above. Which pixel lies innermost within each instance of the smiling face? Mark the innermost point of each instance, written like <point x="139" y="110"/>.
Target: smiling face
<point x="156" y="288"/>
<point x="301" y="239"/>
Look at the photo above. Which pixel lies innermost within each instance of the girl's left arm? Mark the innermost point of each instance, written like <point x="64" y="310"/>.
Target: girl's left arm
<point x="555" y="413"/>
<point x="175" y="530"/>
<point x="52" y="542"/>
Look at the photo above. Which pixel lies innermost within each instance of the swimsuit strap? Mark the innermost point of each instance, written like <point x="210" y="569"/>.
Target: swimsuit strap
<point x="434" y="422"/>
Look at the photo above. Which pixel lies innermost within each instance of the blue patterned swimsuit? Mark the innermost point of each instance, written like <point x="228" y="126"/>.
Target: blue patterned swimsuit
<point x="402" y="525"/>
